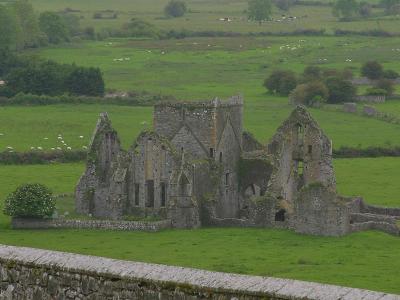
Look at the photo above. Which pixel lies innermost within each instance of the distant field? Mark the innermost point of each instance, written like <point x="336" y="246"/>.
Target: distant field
<point x="206" y="67"/>
<point x="204" y="15"/>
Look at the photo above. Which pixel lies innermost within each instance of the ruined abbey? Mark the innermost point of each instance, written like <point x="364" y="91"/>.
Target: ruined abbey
<point x="197" y="167"/>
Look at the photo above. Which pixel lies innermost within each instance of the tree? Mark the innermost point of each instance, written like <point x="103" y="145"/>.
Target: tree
<point x="46" y="78"/>
<point x="345" y="9"/>
<point x="390" y="74"/>
<point x="175" y="9"/>
<point x="85" y="81"/>
<point x="365" y="9"/>
<point x="7" y="27"/>
<point x="281" y="82"/>
<point x="388" y="5"/>
<point x="372" y="70"/>
<point x="310" y="94"/>
<point x="30" y="201"/>
<point x="27" y="29"/>
<point x="386" y="85"/>
<point x="259" y="10"/>
<point x="54" y="27"/>
<point x="312" y="73"/>
<point x="340" y="90"/>
<point x="283" y="4"/>
<point x="140" y="28"/>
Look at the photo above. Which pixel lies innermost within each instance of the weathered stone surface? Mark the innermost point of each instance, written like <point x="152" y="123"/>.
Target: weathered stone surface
<point x="73" y="276"/>
<point x="198" y="167"/>
<point x="350" y="107"/>
<point x="369" y="111"/>
<point x="23" y="223"/>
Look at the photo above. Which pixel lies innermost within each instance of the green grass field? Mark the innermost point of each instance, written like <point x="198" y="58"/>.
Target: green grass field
<point x="26" y="127"/>
<point x="204" y="15"/>
<point x="203" y="68"/>
<point x="206" y="67"/>
<point x="364" y="260"/>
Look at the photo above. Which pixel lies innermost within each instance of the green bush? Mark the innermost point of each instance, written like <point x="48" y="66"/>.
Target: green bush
<point x="175" y="9"/>
<point x="30" y="201"/>
<point x="372" y="70"/>
<point x="340" y="90"/>
<point x="385" y="84"/>
<point x="376" y="92"/>
<point x="314" y="93"/>
<point x="390" y="74"/>
<point x="281" y="82"/>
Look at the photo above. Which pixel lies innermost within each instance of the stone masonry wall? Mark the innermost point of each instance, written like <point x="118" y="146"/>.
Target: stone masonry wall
<point x="18" y="223"/>
<point x="27" y="273"/>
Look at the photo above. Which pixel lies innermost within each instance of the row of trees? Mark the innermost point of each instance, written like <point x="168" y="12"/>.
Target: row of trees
<point x="21" y="27"/>
<point x="261" y="10"/>
<point x="38" y="77"/>
<point x="316" y="85"/>
<point x="349" y="9"/>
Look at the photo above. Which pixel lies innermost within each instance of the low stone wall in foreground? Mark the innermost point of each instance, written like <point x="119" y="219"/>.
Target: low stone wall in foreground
<point x="23" y="223"/>
<point x="27" y="273"/>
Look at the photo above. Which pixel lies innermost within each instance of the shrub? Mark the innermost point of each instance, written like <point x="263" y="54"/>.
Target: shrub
<point x="365" y="9"/>
<point x="281" y="82"/>
<point x="385" y="84"/>
<point x="85" y="81"/>
<point x="390" y="74"/>
<point x="340" y="90"/>
<point x="311" y="94"/>
<point x="30" y="201"/>
<point x="139" y="28"/>
<point x="284" y="4"/>
<point x="376" y="92"/>
<point x="312" y="73"/>
<point x="175" y="9"/>
<point x="372" y="70"/>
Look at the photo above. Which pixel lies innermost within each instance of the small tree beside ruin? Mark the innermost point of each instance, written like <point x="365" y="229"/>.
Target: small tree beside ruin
<point x="30" y="201"/>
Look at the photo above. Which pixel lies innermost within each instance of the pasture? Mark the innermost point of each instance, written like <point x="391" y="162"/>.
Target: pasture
<point x="206" y="15"/>
<point x="203" y="68"/>
<point x="40" y="126"/>
<point x="195" y="68"/>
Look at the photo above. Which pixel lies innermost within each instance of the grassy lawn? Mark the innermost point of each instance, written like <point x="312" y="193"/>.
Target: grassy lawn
<point x="206" y="67"/>
<point x="366" y="260"/>
<point x="26" y="127"/>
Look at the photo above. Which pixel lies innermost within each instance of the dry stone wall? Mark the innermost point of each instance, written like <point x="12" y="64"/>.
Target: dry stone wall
<point x="20" y="223"/>
<point x="27" y="273"/>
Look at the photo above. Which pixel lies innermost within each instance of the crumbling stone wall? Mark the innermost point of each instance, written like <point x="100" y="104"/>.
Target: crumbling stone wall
<point x="319" y="211"/>
<point x="301" y="154"/>
<point x="101" y="190"/>
<point x="199" y="168"/>
<point x="27" y="273"/>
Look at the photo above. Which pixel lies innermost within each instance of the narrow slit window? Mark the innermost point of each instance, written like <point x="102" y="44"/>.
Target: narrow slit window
<point x="220" y="157"/>
<point x="137" y="189"/>
<point x="309" y="149"/>
<point x="227" y="179"/>
<point x="150" y="193"/>
<point x="163" y="194"/>
<point x="211" y="152"/>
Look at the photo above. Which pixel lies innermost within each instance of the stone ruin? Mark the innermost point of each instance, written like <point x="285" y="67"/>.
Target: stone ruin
<point x="197" y="167"/>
